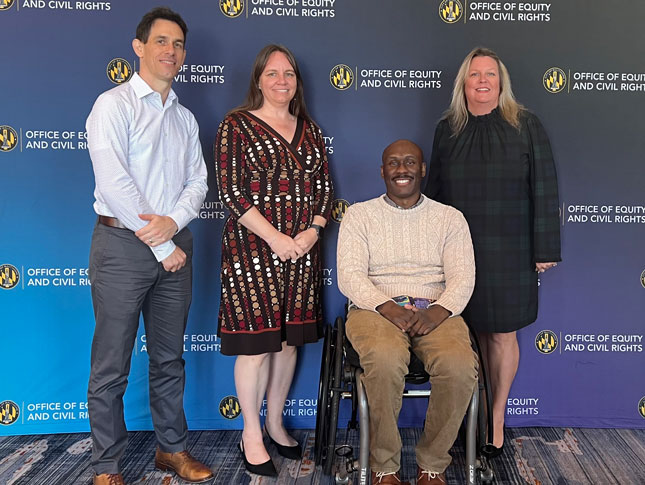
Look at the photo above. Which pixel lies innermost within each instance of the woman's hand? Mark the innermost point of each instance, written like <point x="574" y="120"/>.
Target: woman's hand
<point x="306" y="239"/>
<point x="542" y="267"/>
<point x="285" y="247"/>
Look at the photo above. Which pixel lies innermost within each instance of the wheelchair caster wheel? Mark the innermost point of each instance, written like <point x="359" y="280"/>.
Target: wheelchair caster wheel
<point x="486" y="476"/>
<point x="344" y="451"/>
<point x="339" y="479"/>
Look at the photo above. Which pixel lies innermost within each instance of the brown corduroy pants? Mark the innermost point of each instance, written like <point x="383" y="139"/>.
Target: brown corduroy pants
<point x="384" y="353"/>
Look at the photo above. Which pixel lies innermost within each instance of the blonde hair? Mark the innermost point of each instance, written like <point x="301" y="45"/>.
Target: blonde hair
<point x="457" y="112"/>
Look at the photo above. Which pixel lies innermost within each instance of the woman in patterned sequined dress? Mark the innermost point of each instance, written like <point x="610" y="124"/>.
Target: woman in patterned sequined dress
<point x="273" y="176"/>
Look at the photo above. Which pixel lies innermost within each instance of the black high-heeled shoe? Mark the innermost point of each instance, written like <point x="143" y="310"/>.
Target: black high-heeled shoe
<point x="291" y="452"/>
<point x="267" y="468"/>
<point x="492" y="451"/>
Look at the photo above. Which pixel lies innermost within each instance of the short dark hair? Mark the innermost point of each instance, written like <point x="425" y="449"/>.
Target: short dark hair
<point x="143" y="29"/>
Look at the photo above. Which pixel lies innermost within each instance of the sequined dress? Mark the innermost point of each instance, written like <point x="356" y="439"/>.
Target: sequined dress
<point x="265" y="301"/>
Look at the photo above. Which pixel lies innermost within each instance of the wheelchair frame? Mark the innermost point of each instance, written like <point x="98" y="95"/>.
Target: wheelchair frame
<point x="341" y="380"/>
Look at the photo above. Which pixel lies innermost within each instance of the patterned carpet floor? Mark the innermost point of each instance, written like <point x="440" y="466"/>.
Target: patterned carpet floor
<point x="537" y="456"/>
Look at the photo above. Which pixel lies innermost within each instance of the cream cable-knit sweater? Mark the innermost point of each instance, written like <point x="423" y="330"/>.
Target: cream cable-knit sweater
<point x="424" y="252"/>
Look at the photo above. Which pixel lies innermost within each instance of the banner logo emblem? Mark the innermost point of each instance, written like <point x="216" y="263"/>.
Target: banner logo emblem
<point x="338" y="209"/>
<point x="451" y="11"/>
<point x="641" y="407"/>
<point x="554" y="80"/>
<point x="546" y="342"/>
<point x="229" y="407"/>
<point x="231" y="8"/>
<point x="6" y="4"/>
<point x="643" y="278"/>
<point x="8" y="138"/>
<point x="9" y="412"/>
<point x="341" y="77"/>
<point x="9" y="276"/>
<point x="119" y="70"/>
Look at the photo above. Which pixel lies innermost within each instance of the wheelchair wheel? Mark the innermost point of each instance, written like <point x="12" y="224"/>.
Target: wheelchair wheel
<point x="337" y="385"/>
<point x="324" y="386"/>
<point x="329" y="396"/>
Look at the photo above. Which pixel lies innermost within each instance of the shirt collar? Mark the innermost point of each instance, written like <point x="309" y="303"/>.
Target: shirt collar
<point x="389" y="201"/>
<point x="142" y="89"/>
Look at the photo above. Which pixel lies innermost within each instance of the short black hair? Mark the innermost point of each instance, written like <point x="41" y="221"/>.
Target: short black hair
<point x="143" y="29"/>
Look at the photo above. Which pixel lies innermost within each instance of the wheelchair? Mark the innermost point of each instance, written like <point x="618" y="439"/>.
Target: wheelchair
<point x="340" y="373"/>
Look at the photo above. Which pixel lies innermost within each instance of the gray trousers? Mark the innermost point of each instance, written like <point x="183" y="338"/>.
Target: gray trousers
<point x="127" y="280"/>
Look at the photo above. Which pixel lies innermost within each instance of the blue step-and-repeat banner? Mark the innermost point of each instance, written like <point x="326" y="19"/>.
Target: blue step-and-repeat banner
<point x="577" y="64"/>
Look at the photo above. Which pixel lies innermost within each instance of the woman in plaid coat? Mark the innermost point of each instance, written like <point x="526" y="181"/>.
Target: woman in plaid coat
<point x="492" y="160"/>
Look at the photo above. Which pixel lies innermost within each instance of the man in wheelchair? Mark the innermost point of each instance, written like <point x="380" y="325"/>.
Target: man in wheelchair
<point x="406" y="263"/>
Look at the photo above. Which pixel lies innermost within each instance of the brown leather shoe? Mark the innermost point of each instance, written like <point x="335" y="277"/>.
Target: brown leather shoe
<point x="184" y="465"/>
<point x="108" y="479"/>
<point x="430" y="478"/>
<point x="381" y="478"/>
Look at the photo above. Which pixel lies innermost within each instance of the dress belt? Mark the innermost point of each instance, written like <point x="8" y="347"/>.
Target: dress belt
<point x="111" y="221"/>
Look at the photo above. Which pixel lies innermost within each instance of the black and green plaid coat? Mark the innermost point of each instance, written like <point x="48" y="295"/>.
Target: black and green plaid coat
<point x="504" y="182"/>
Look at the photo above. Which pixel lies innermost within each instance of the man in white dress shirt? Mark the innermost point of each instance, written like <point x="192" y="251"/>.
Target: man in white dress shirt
<point x="150" y="183"/>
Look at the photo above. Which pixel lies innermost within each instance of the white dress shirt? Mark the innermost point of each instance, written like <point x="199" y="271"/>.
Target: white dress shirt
<point x="147" y="158"/>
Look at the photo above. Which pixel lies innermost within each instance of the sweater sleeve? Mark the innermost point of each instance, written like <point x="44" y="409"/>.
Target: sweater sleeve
<point x="352" y="261"/>
<point x="458" y="264"/>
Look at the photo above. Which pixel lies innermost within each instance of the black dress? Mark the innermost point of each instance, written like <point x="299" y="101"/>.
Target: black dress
<point x="266" y="301"/>
<point x="504" y="182"/>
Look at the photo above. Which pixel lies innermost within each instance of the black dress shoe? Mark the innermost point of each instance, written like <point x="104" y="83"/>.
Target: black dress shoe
<point x="267" y="468"/>
<point x="291" y="452"/>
